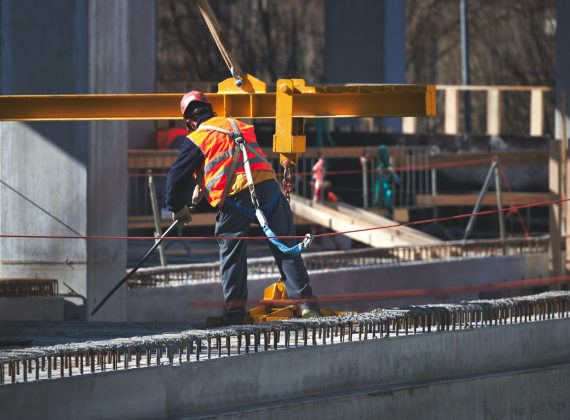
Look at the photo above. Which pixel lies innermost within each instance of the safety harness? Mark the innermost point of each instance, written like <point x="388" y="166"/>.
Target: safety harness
<point x="242" y="147"/>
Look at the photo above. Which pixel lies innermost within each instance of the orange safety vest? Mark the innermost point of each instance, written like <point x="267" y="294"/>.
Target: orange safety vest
<point x="218" y="149"/>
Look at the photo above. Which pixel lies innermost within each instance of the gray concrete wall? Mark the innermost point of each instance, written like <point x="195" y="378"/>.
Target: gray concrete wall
<point x="32" y="309"/>
<point x="408" y="377"/>
<point x="69" y="178"/>
<point x="197" y="302"/>
<point x="501" y="396"/>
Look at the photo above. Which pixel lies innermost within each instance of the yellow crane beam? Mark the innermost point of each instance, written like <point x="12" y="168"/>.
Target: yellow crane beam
<point x="379" y="101"/>
<point x="291" y="102"/>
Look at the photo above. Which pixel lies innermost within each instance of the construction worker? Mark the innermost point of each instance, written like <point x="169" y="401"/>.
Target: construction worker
<point x="207" y="162"/>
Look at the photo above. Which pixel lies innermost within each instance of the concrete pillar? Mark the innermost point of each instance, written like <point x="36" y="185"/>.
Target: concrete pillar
<point x="560" y="213"/>
<point x="562" y="63"/>
<point x="365" y="42"/>
<point x="69" y="178"/>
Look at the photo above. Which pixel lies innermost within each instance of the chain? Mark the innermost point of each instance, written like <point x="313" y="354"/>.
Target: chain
<point x="287" y="183"/>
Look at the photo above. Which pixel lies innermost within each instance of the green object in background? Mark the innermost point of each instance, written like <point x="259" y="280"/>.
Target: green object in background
<point x="386" y="178"/>
<point x="324" y="133"/>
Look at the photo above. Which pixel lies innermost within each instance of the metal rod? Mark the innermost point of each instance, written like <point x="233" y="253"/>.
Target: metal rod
<point x="480" y="200"/>
<point x="465" y="74"/>
<point x="218" y="36"/>
<point x="156" y="216"/>
<point x="134" y="270"/>
<point x="363" y="161"/>
<point x="500" y="214"/>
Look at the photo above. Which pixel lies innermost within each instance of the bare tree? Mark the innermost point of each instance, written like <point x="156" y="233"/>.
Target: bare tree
<point x="270" y="39"/>
<point x="511" y="43"/>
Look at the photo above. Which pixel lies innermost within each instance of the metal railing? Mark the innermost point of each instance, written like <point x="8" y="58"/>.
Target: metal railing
<point x="210" y="272"/>
<point x="28" y="287"/>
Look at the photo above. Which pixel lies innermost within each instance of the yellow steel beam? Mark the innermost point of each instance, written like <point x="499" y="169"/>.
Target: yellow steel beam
<point x="332" y="102"/>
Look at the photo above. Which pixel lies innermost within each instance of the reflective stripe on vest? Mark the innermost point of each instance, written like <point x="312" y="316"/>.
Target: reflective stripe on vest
<point x="218" y="149"/>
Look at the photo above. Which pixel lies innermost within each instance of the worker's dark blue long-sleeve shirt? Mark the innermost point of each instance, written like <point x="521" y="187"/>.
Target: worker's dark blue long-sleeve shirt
<point x="180" y="180"/>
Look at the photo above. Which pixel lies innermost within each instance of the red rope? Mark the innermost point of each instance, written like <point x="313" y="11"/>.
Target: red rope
<point x="215" y="238"/>
<point x="474" y="162"/>
<point x="508" y="185"/>
<point x="406" y="293"/>
<point x="443" y="165"/>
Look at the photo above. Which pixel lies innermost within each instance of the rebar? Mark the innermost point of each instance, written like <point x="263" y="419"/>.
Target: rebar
<point x="29" y="364"/>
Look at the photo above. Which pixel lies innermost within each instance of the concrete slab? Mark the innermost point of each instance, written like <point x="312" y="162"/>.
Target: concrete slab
<point x="405" y="375"/>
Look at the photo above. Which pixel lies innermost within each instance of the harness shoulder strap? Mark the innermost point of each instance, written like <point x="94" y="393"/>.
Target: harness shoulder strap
<point x="214" y="128"/>
<point x="229" y="172"/>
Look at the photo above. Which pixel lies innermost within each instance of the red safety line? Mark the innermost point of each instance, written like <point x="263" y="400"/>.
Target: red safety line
<point x="442" y="165"/>
<point x="394" y="294"/>
<point x="508" y="185"/>
<point x="320" y="235"/>
<point x="456" y="217"/>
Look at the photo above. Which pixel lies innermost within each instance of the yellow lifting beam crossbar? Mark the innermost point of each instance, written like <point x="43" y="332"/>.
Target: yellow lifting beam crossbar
<point x="330" y="102"/>
<point x="291" y="102"/>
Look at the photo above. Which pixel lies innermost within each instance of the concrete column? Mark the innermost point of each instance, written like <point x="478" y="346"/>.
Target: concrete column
<point x="69" y="178"/>
<point x="365" y="43"/>
<point x="560" y="214"/>
<point x="562" y="63"/>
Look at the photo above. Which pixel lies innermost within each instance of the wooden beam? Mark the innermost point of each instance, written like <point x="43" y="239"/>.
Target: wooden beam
<point x="493" y="112"/>
<point x="490" y="199"/>
<point x="536" y="112"/>
<point x="343" y="217"/>
<point x="452" y="111"/>
<point x="160" y="159"/>
<point x="409" y="125"/>
<point x="516" y="157"/>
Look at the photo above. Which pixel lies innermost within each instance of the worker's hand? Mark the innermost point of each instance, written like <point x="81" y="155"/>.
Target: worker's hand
<point x="197" y="195"/>
<point x="183" y="215"/>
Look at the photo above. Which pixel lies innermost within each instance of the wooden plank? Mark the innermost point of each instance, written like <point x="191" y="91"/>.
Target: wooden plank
<point x="518" y="157"/>
<point x="163" y="159"/>
<point x="493" y="112"/>
<point x="536" y="112"/>
<point x="345" y="218"/>
<point x="409" y="125"/>
<point x="503" y="88"/>
<point x="452" y="111"/>
<point x="490" y="199"/>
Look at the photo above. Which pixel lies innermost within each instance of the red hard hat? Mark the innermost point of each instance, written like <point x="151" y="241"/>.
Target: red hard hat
<point x="192" y="96"/>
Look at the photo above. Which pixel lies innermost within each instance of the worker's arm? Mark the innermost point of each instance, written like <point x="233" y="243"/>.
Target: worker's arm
<point x="180" y="179"/>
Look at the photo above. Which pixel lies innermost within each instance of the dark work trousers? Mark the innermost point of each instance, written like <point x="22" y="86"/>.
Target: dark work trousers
<point x="233" y="259"/>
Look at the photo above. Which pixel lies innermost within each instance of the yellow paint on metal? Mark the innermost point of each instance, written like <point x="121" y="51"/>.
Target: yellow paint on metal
<point x="325" y="101"/>
<point x="273" y="307"/>
<point x="292" y="101"/>
<point x="250" y="84"/>
<point x="288" y="138"/>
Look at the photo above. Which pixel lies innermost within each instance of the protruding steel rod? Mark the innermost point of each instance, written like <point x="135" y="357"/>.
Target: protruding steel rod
<point x="477" y="206"/>
<point x="500" y="214"/>
<point x="156" y="216"/>
<point x="134" y="270"/>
